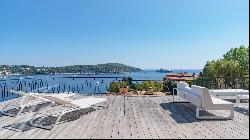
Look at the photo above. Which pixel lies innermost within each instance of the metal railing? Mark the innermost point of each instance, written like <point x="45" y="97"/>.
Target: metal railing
<point x="54" y="85"/>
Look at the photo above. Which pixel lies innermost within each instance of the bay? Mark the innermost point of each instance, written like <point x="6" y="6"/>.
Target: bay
<point x="88" y="85"/>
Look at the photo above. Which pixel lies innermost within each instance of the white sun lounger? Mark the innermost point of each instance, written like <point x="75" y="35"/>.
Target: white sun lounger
<point x="200" y="97"/>
<point x="26" y="102"/>
<point x="48" y="118"/>
<point x="237" y="93"/>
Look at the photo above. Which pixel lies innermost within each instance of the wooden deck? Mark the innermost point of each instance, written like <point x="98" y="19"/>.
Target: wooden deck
<point x="143" y="117"/>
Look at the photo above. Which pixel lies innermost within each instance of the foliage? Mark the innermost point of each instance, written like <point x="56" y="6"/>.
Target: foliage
<point x="157" y="86"/>
<point x="240" y="55"/>
<point x="204" y="82"/>
<point x="123" y="84"/>
<point x="228" y="71"/>
<point x="129" y="81"/>
<point x="222" y="71"/>
<point x="169" y="86"/>
<point x="115" y="86"/>
<point x="139" y="87"/>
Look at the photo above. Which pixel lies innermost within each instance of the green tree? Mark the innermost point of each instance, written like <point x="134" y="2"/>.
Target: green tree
<point x="240" y="54"/>
<point x="222" y="72"/>
<point x="213" y="71"/>
<point x="229" y="71"/>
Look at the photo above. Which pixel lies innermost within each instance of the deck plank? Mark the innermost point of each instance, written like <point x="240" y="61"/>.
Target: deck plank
<point x="145" y="117"/>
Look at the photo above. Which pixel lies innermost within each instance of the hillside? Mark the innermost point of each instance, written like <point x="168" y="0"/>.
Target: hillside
<point x="80" y="69"/>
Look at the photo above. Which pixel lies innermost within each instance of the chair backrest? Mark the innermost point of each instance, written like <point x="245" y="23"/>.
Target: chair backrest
<point x="203" y="93"/>
<point x="181" y="87"/>
<point x="56" y="100"/>
<point x="192" y="97"/>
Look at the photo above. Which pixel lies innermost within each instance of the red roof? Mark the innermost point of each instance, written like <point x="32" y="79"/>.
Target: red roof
<point x="180" y="78"/>
<point x="179" y="75"/>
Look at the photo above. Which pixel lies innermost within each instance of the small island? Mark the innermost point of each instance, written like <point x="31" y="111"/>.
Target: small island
<point x="74" y="69"/>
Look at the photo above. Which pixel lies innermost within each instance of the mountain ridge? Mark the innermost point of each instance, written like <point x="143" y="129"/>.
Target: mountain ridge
<point x="81" y="69"/>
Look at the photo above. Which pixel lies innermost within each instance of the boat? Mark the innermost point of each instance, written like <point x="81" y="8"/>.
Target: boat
<point x="98" y="83"/>
<point x="164" y="70"/>
<point x="3" y="78"/>
<point x="15" y="78"/>
<point x="90" y="74"/>
<point x="29" y="77"/>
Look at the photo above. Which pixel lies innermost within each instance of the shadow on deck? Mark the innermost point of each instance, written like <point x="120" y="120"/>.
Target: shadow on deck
<point x="180" y="112"/>
<point x="185" y="112"/>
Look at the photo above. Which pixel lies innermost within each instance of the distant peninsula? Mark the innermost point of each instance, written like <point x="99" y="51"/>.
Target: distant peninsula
<point x="74" y="69"/>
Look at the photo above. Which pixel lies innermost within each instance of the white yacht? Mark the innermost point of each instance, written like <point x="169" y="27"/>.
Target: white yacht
<point x="29" y="77"/>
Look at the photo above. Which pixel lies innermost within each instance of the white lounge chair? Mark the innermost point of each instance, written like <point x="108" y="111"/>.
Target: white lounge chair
<point x="238" y="94"/>
<point x="65" y="110"/>
<point x="200" y="97"/>
<point x="24" y="103"/>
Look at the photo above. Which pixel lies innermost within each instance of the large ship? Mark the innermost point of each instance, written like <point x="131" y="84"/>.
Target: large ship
<point x="164" y="70"/>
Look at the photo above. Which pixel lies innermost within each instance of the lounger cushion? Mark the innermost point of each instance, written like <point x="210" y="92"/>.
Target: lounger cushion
<point x="220" y="104"/>
<point x="219" y="101"/>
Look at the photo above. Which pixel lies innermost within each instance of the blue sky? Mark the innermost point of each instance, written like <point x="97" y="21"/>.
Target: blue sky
<point x="176" y="34"/>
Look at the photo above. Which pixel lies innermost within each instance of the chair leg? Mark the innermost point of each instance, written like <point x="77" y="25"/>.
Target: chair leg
<point x="231" y="113"/>
<point x="237" y="101"/>
<point x="197" y="112"/>
<point x="173" y="98"/>
<point x="22" y="108"/>
<point x="173" y="95"/>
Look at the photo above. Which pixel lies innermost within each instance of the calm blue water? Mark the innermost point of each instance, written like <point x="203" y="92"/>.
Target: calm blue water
<point x="55" y="83"/>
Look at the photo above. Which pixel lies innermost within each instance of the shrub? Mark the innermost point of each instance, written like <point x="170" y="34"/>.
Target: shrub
<point x="204" y="82"/>
<point x="115" y="86"/>
<point x="157" y="86"/>
<point x="169" y="86"/>
<point x="139" y="87"/>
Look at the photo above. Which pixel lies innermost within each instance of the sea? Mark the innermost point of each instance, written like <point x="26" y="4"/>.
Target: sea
<point x="88" y="84"/>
